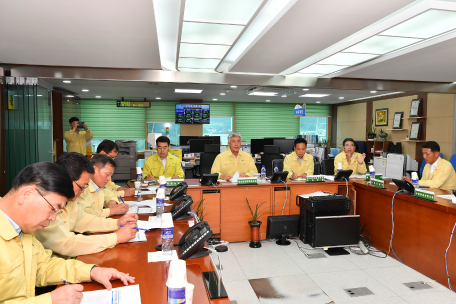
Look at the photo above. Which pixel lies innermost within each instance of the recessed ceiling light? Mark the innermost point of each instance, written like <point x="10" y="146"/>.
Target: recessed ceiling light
<point x="263" y="93"/>
<point x="67" y="81"/>
<point x="305" y="89"/>
<point x="97" y="96"/>
<point x="318" y="101"/>
<point x="284" y="95"/>
<point x="341" y="97"/>
<point x="214" y="98"/>
<point x="187" y="91"/>
<point x="222" y="94"/>
<point x="85" y="90"/>
<point x="373" y="91"/>
<point x="234" y="87"/>
<point x="69" y="96"/>
<point x="267" y="100"/>
<point x="157" y="97"/>
<point x="39" y="95"/>
<point x="315" y="95"/>
<point x="68" y="100"/>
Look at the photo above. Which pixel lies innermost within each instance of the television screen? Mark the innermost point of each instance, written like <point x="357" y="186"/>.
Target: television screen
<point x="192" y="114"/>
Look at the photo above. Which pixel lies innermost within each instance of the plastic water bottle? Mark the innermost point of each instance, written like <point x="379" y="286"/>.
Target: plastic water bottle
<point x="339" y="167"/>
<point x="263" y="173"/>
<point x="167" y="241"/>
<point x="276" y="169"/>
<point x="415" y="182"/>
<point x="138" y="174"/>
<point x="160" y="202"/>
<point x="372" y="173"/>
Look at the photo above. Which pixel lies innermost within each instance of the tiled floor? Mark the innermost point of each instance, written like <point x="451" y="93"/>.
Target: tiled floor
<point x="276" y="274"/>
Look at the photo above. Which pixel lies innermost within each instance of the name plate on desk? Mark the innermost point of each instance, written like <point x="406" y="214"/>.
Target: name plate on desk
<point x="315" y="178"/>
<point x="379" y="176"/>
<point x="173" y="182"/>
<point x="426" y="195"/>
<point x="247" y="181"/>
<point x="368" y="177"/>
<point x="378" y="183"/>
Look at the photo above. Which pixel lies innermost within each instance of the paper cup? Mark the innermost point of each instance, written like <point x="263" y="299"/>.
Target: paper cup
<point x="339" y="166"/>
<point x="189" y="293"/>
<point x="137" y="184"/>
<point x="177" y="274"/>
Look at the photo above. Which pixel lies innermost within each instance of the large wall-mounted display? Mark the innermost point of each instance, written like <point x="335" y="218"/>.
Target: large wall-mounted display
<point x="192" y="114"/>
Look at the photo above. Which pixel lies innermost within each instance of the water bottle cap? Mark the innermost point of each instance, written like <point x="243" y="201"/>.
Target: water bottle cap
<point x="371" y="168"/>
<point x="414" y="175"/>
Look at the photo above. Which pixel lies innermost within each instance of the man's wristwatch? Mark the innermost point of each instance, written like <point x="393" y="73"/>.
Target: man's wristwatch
<point x="91" y="270"/>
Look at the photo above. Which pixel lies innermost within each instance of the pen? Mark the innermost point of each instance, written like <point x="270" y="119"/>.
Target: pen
<point x="121" y="199"/>
<point x="65" y="282"/>
<point x="138" y="228"/>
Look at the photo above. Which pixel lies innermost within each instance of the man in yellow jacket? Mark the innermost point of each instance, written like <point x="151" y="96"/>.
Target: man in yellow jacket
<point x="59" y="236"/>
<point x="350" y="159"/>
<point x="110" y="148"/>
<point x="438" y="173"/>
<point x="76" y="139"/>
<point x="227" y="163"/>
<point x="37" y="195"/>
<point x="96" y="200"/>
<point x="299" y="163"/>
<point x="162" y="163"/>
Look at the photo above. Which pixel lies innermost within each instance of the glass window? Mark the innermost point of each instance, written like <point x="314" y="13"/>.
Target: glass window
<point x="219" y="126"/>
<point x="314" y="126"/>
<point x="160" y="127"/>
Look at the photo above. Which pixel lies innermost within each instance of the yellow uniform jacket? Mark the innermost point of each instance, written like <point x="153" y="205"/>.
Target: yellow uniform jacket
<point x="24" y="264"/>
<point x="226" y="163"/>
<point x="443" y="176"/>
<point x="291" y="164"/>
<point x="77" y="142"/>
<point x="154" y="166"/>
<point x="111" y="186"/>
<point x="60" y="238"/>
<point x="93" y="203"/>
<point x="354" y="165"/>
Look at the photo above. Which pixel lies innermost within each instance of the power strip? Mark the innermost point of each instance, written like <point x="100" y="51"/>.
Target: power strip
<point x="362" y="247"/>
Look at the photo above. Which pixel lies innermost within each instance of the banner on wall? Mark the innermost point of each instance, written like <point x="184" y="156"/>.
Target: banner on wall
<point x="300" y="110"/>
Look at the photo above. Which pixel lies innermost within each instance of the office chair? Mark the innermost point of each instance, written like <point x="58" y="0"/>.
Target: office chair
<point x="207" y="158"/>
<point x="327" y="166"/>
<point x="423" y="163"/>
<point x="270" y="153"/>
<point x="278" y="163"/>
<point x="453" y="161"/>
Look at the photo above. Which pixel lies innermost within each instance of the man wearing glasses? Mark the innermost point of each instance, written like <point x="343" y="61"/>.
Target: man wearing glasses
<point x="350" y="159"/>
<point x="110" y="148"/>
<point x="37" y="195"/>
<point x="95" y="198"/>
<point x="59" y="236"/>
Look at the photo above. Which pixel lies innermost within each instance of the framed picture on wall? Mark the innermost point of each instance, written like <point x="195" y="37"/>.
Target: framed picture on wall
<point x="397" y="120"/>
<point x="415" y="131"/>
<point x="381" y="117"/>
<point x="415" y="107"/>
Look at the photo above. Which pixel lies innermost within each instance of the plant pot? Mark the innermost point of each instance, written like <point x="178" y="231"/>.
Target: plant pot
<point x="255" y="235"/>
<point x="383" y="136"/>
<point x="371" y="136"/>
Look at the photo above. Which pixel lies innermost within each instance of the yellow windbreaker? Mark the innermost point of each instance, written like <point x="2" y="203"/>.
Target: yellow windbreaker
<point x="354" y="165"/>
<point x="291" y="164"/>
<point x="226" y="163"/>
<point x="154" y="166"/>
<point x="93" y="203"/>
<point x="443" y="176"/>
<point x="77" y="142"/>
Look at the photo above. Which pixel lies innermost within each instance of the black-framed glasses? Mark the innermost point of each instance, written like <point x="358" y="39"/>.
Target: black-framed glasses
<point x="113" y="157"/>
<point x="82" y="188"/>
<point x="54" y="211"/>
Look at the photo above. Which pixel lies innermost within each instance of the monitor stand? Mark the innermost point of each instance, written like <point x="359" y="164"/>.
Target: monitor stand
<point x="283" y="241"/>
<point x="336" y="251"/>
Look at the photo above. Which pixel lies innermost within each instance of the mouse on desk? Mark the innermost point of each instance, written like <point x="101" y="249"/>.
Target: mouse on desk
<point x="221" y="248"/>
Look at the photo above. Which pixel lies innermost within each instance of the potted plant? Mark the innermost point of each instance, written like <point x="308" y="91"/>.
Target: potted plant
<point x="382" y="135"/>
<point x="199" y="210"/>
<point x="255" y="225"/>
<point x="371" y="135"/>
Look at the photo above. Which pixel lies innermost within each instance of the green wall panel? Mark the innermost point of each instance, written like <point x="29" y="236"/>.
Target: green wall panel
<point x="318" y="110"/>
<point x="221" y="108"/>
<point x="161" y="111"/>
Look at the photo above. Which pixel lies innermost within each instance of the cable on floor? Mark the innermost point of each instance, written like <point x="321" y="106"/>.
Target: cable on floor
<point x="286" y="196"/>
<point x="446" y="263"/>
<point x="392" y="231"/>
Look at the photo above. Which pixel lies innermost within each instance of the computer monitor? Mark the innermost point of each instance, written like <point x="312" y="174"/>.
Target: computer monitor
<point x="197" y="145"/>
<point x="336" y="231"/>
<point x="286" y="145"/>
<point x="183" y="140"/>
<point x="282" y="227"/>
<point x="257" y="146"/>
<point x="216" y="139"/>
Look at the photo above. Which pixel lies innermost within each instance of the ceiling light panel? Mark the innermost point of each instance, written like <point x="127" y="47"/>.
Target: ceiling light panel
<point x="202" y="50"/>
<point x="198" y="63"/>
<point x="347" y="58"/>
<point x="187" y="91"/>
<point x="208" y="33"/>
<point x="322" y="68"/>
<point x="193" y="70"/>
<point x="315" y="95"/>
<point x="426" y="25"/>
<point x="221" y="11"/>
<point x="381" y="44"/>
<point x="263" y="93"/>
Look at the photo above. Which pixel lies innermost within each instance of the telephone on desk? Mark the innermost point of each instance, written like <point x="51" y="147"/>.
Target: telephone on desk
<point x="192" y="242"/>
<point x="181" y="207"/>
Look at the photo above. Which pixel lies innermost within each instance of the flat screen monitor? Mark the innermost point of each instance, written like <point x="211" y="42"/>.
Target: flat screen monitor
<point x="193" y="114"/>
<point x="336" y="231"/>
<point x="197" y="145"/>
<point x="257" y="146"/>
<point x="183" y="140"/>
<point x="286" y="145"/>
<point x="216" y="139"/>
<point x="282" y="227"/>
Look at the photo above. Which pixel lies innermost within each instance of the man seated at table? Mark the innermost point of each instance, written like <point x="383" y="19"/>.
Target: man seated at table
<point x="38" y="194"/>
<point x="299" y="163"/>
<point x="162" y="163"/>
<point x="95" y="197"/>
<point x="227" y="163"/>
<point x="110" y="148"/>
<point x="59" y="236"/>
<point x="438" y="173"/>
<point x="350" y="159"/>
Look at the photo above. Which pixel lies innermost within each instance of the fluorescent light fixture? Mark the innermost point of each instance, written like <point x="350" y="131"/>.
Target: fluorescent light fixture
<point x="39" y="95"/>
<point x="187" y="91"/>
<point x="85" y="90"/>
<point x="202" y="50"/>
<point x="233" y="86"/>
<point x="318" y="101"/>
<point x="69" y="96"/>
<point x="284" y="95"/>
<point x="322" y="68"/>
<point x="307" y="75"/>
<point x="381" y="45"/>
<point x="157" y="97"/>
<point x="214" y="98"/>
<point x="98" y="96"/>
<point x="262" y="93"/>
<point x="341" y="97"/>
<point x="167" y="20"/>
<point x="198" y="63"/>
<point x="347" y="58"/>
<point x="386" y="94"/>
<point x="230" y="12"/>
<point x="196" y="70"/>
<point x="210" y="33"/>
<point x="426" y="25"/>
<point x="67" y="81"/>
<point x="373" y="91"/>
<point x="267" y="100"/>
<point x="315" y="95"/>
<point x="222" y="94"/>
<point x="305" y="89"/>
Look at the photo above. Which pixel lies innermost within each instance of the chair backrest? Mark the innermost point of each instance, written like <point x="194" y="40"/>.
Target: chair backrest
<point x="270" y="149"/>
<point x="423" y="163"/>
<point x="212" y="148"/>
<point x="334" y="151"/>
<point x="327" y="166"/>
<point x="206" y="161"/>
<point x="277" y="162"/>
<point x="453" y="161"/>
<point x="266" y="161"/>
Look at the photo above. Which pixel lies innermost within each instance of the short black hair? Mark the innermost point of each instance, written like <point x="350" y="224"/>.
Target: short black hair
<point x="163" y="139"/>
<point x="107" y="146"/>
<point x="101" y="161"/>
<point x="434" y="146"/>
<point x="75" y="164"/>
<point x="74" y="118"/>
<point x="300" y="141"/>
<point x="348" y="139"/>
<point x="47" y="176"/>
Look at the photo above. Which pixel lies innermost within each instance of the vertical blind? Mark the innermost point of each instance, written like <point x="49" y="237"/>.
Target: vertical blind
<point x="162" y="111"/>
<point x="221" y="108"/>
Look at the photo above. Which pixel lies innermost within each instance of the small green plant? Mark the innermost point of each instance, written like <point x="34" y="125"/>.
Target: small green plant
<point x="371" y="129"/>
<point x="199" y="210"/>
<point x="382" y="131"/>
<point x="323" y="143"/>
<point x="255" y="215"/>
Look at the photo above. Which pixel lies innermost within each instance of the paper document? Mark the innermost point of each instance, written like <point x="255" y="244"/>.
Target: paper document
<point x="235" y="177"/>
<point x="121" y="295"/>
<point x="448" y="196"/>
<point x="221" y="181"/>
<point x="144" y="185"/>
<point x="329" y="177"/>
<point x="158" y="256"/>
<point x="147" y="224"/>
<point x="139" y="237"/>
<point x="154" y="222"/>
<point x="132" y="209"/>
<point x="150" y="203"/>
<point x="145" y="210"/>
<point x="153" y="189"/>
<point x="358" y="176"/>
<point x="318" y="193"/>
<point x="144" y="192"/>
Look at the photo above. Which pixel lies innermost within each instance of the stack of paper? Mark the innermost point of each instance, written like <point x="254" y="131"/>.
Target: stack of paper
<point x="158" y="256"/>
<point x="132" y="209"/>
<point x="318" y="193"/>
<point x="139" y="237"/>
<point x="148" y="224"/>
<point x="358" y="176"/>
<point x="120" y="295"/>
<point x="329" y="177"/>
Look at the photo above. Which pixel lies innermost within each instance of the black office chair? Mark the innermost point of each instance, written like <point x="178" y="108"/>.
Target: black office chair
<point x="327" y="166"/>
<point x="278" y="163"/>
<point x="207" y="158"/>
<point x="270" y="153"/>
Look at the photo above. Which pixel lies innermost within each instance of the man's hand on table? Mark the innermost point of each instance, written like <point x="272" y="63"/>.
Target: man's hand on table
<point x="407" y="179"/>
<point x="118" y="209"/>
<point x="129" y="192"/>
<point x="68" y="294"/>
<point x="103" y="275"/>
<point x="126" y="233"/>
<point x="111" y="204"/>
<point x="226" y="177"/>
<point x="243" y="175"/>
<point x="175" y="177"/>
<point x="294" y="176"/>
<point x="149" y="178"/>
<point x="130" y="218"/>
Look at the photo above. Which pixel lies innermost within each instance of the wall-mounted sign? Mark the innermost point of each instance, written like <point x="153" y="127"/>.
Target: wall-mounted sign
<point x="133" y="104"/>
<point x="300" y="110"/>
